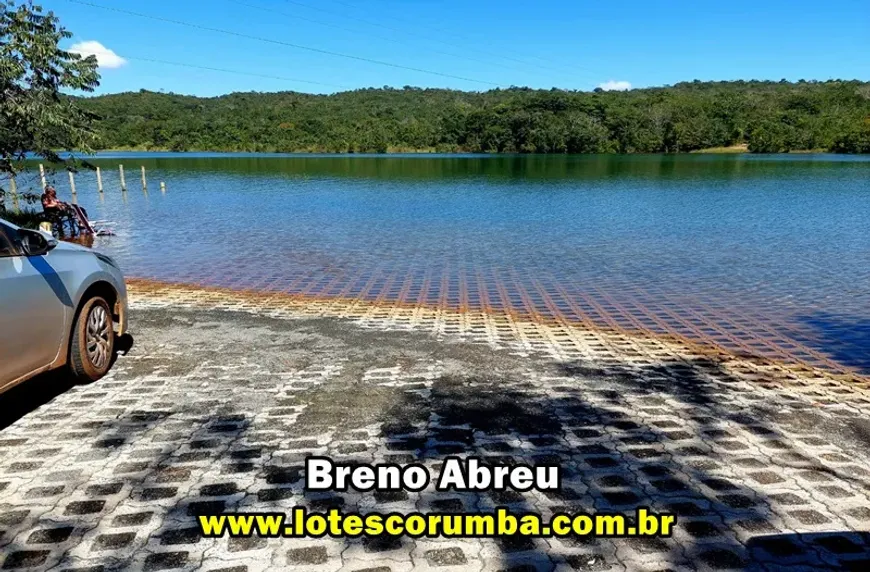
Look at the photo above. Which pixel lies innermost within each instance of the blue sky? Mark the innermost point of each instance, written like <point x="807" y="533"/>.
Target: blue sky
<point x="571" y="44"/>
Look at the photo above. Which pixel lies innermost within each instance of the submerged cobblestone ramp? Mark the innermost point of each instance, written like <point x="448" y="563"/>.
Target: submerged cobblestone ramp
<point x="224" y="394"/>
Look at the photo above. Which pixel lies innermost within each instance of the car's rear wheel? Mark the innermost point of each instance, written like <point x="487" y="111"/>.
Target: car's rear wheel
<point x="93" y="340"/>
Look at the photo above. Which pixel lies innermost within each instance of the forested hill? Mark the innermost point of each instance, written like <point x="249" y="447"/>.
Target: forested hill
<point x="767" y="116"/>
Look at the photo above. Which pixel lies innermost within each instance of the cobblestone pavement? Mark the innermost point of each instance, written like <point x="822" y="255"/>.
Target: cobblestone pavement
<point x="223" y="395"/>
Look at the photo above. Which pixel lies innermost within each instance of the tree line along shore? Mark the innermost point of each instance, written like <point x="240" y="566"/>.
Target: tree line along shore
<point x="755" y="116"/>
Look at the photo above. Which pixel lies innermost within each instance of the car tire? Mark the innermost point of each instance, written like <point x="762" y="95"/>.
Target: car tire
<point x="93" y="341"/>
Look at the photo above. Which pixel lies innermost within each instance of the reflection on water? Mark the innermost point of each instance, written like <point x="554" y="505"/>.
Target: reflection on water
<point x="504" y="167"/>
<point x="86" y="240"/>
<point x="752" y="253"/>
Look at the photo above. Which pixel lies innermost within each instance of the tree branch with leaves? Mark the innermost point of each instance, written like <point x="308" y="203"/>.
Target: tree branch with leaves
<point x="36" y="117"/>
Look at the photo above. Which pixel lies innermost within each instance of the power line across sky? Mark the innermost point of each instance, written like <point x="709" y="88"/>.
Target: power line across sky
<point x="435" y="35"/>
<point x="238" y="72"/>
<point x="211" y="47"/>
<point x="281" y="43"/>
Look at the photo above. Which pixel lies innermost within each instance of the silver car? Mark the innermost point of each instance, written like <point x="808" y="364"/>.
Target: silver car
<point x="61" y="305"/>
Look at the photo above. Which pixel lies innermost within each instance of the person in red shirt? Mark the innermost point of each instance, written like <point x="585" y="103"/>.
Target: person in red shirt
<point x="50" y="202"/>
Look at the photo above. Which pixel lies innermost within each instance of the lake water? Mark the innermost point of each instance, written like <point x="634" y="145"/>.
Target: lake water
<point x="760" y="254"/>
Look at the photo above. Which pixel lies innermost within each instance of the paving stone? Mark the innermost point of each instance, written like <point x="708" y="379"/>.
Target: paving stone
<point x="23" y="467"/>
<point x="109" y="443"/>
<point x="50" y="535"/>
<point x="647" y="545"/>
<point x="327" y="502"/>
<point x="43" y="492"/>
<point x="96" y="568"/>
<point x="683" y="509"/>
<point x="737" y="449"/>
<point x="104" y="490"/>
<point x="787" y="499"/>
<point x="701" y="529"/>
<point x="236" y="468"/>
<point x="835" y="492"/>
<point x="381" y="543"/>
<point x="283" y="476"/>
<point x="125" y="468"/>
<point x="722" y="558"/>
<point x="132" y="519"/>
<point x="84" y="507"/>
<point x="390" y="496"/>
<point x="11" y="518"/>
<point x="274" y="495"/>
<point x="670" y="485"/>
<point x="12" y="442"/>
<point x="448" y="505"/>
<point x="510" y="544"/>
<point x="506" y="497"/>
<point x="738" y="501"/>
<point x="25" y="559"/>
<point x="601" y="462"/>
<point x="809" y="516"/>
<point x="113" y="541"/>
<point x="156" y="493"/>
<point x="308" y="555"/>
<point x="246" y="544"/>
<point x="445" y="557"/>
<point x="223" y="489"/>
<point x="766" y="477"/>
<point x="861" y="512"/>
<point x="165" y="561"/>
<point x="189" y="535"/>
<point x="206" y="508"/>
<point x="758" y="526"/>
<point x="194" y="457"/>
<point x="172" y="475"/>
<point x="619" y="498"/>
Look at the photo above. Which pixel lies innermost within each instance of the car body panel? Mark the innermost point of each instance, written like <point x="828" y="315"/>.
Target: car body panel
<point x="31" y="309"/>
<point x="39" y="300"/>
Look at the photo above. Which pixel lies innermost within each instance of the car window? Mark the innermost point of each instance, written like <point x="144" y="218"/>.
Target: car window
<point x="7" y="247"/>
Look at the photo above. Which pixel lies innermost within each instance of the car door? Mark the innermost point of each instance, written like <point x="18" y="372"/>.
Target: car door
<point x="32" y="316"/>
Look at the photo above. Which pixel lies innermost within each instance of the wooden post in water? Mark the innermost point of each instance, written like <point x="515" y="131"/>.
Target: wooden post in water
<point x="123" y="181"/>
<point x="72" y="182"/>
<point x="42" y="176"/>
<point x="162" y="187"/>
<point x="99" y="180"/>
<point x="13" y="190"/>
<point x="144" y="183"/>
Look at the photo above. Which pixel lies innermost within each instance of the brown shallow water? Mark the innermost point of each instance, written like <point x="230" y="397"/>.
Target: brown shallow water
<point x="535" y="331"/>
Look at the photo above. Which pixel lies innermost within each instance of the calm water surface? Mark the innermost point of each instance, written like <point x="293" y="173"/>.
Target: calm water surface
<point x="759" y="254"/>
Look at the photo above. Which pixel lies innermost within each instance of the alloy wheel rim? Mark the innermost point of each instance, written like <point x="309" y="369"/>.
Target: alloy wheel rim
<point x="98" y="340"/>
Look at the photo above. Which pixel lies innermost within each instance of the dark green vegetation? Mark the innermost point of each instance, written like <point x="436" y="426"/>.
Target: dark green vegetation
<point x="768" y="116"/>
<point x="34" y="116"/>
<point x="27" y="218"/>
